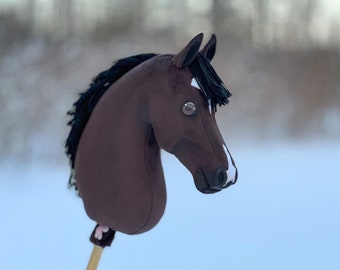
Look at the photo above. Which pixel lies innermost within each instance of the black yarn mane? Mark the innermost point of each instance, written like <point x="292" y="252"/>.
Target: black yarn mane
<point x="213" y="88"/>
<point x="84" y="106"/>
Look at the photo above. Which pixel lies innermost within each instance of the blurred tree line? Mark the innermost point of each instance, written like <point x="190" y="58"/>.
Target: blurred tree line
<point x="268" y="23"/>
<point x="279" y="58"/>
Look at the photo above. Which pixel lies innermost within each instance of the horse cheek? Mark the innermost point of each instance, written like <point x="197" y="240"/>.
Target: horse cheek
<point x="168" y="130"/>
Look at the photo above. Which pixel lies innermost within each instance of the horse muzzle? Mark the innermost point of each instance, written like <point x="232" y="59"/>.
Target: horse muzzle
<point x="208" y="183"/>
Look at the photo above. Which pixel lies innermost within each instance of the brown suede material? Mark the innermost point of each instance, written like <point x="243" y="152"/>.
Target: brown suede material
<point x="118" y="168"/>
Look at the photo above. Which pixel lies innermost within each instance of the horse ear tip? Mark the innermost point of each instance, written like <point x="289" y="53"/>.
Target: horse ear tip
<point x="188" y="54"/>
<point x="199" y="36"/>
<point x="213" y="39"/>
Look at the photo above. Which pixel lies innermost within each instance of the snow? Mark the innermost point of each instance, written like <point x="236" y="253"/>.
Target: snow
<point x="283" y="213"/>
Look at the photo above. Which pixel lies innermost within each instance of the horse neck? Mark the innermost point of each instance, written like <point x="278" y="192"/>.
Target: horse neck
<point x="133" y="130"/>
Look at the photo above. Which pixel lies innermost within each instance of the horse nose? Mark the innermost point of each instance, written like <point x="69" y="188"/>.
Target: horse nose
<point x="223" y="180"/>
<point x="220" y="179"/>
<point x="214" y="181"/>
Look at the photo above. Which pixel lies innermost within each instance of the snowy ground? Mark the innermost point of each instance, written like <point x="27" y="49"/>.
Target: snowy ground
<point x="282" y="214"/>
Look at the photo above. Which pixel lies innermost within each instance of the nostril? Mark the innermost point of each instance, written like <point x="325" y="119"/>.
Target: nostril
<point x="221" y="177"/>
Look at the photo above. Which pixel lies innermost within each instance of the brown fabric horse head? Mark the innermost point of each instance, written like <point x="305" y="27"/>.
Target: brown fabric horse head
<point x="142" y="104"/>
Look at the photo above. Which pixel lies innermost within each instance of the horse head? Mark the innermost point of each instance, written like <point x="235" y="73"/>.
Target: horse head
<point x="184" y="121"/>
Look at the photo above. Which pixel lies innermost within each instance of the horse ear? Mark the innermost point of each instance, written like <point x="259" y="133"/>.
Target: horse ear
<point x="189" y="53"/>
<point x="210" y="48"/>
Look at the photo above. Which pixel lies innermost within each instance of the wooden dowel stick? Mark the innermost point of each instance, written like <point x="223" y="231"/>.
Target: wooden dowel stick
<point x="95" y="258"/>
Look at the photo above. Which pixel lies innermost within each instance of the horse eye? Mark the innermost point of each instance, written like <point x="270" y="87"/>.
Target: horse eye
<point x="189" y="109"/>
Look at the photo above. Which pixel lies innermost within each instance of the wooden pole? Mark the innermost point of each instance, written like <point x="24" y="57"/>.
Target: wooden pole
<point x="95" y="258"/>
<point x="106" y="238"/>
